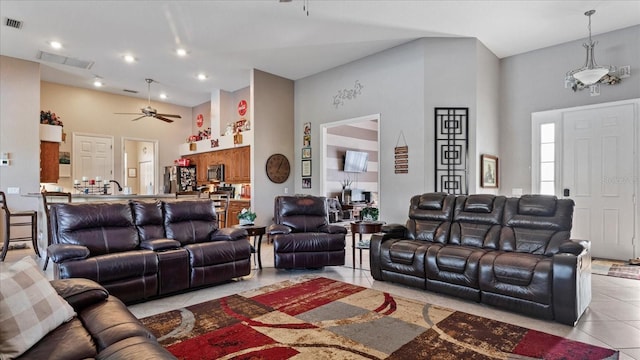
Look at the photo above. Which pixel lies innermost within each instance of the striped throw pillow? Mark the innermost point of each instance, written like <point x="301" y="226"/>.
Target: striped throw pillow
<point x="29" y="308"/>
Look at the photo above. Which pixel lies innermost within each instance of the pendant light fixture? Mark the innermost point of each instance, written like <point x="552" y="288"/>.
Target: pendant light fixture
<point x="591" y="72"/>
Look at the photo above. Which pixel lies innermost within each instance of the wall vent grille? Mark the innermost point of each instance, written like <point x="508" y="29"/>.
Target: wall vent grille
<point x="64" y="60"/>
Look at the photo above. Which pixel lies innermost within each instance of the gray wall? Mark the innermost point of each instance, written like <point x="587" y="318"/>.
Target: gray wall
<point x="19" y="129"/>
<point x="271" y="105"/>
<point x="403" y="85"/>
<point x="534" y="81"/>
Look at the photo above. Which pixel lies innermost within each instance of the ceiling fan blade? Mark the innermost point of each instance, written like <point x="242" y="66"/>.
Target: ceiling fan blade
<point x="170" y="115"/>
<point x="129" y="113"/>
<point x="163" y="118"/>
<point x="138" y="118"/>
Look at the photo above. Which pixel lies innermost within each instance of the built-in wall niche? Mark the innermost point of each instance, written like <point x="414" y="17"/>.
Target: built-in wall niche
<point x="359" y="137"/>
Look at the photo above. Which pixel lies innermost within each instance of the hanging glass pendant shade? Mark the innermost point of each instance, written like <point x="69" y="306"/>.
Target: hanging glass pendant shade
<point x="591" y="72"/>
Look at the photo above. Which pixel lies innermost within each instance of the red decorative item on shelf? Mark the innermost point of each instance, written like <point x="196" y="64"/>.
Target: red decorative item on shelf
<point x="183" y="162"/>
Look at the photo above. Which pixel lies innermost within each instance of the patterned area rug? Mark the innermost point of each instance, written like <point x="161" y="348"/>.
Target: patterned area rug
<point x="615" y="268"/>
<point x="319" y="318"/>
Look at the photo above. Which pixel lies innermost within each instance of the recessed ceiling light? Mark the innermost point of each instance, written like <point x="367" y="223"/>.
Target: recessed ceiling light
<point x="97" y="83"/>
<point x="55" y="44"/>
<point x="129" y="58"/>
<point x="163" y="96"/>
<point x="202" y="77"/>
<point x="181" y="52"/>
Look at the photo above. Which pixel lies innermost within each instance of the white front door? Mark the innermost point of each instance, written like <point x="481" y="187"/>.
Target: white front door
<point x="93" y="157"/>
<point x="598" y="171"/>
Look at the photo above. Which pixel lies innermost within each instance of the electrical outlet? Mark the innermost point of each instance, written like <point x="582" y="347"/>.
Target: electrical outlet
<point x="13" y="190"/>
<point x="624" y="71"/>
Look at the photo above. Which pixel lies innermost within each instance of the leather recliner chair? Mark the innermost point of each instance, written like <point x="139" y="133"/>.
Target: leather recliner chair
<point x="302" y="236"/>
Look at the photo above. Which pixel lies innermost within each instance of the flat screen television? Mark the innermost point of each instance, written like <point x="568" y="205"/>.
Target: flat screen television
<point x="356" y="161"/>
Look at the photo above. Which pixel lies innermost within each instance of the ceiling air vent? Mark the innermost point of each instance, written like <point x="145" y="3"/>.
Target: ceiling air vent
<point x="64" y="60"/>
<point x="130" y="91"/>
<point x="17" y="24"/>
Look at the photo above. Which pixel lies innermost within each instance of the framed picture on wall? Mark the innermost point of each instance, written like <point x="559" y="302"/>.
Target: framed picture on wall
<point x="132" y="172"/>
<point x="306" y="183"/>
<point x="306" y="168"/>
<point x="306" y="153"/>
<point x="489" y="171"/>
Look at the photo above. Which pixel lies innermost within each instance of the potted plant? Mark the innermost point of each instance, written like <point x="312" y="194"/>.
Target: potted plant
<point x="246" y="217"/>
<point x="369" y="214"/>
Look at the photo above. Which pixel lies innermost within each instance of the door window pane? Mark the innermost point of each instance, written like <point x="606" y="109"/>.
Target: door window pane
<point x="547" y="133"/>
<point x="547" y="188"/>
<point x="547" y="171"/>
<point x="547" y="152"/>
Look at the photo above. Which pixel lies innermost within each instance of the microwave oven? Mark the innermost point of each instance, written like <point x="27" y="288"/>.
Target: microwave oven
<point x="215" y="173"/>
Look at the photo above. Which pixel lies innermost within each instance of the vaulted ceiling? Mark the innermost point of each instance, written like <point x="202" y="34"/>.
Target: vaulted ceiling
<point x="224" y="40"/>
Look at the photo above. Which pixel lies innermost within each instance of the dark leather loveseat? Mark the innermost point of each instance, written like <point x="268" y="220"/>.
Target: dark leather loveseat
<point x="513" y="253"/>
<point x="103" y="329"/>
<point x="141" y="250"/>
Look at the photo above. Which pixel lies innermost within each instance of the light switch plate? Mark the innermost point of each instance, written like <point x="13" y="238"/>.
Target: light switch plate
<point x="13" y="190"/>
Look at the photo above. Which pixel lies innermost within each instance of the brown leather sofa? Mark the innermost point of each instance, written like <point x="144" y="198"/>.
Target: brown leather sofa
<point x="103" y="329"/>
<point x="141" y="250"/>
<point x="302" y="236"/>
<point x="514" y="253"/>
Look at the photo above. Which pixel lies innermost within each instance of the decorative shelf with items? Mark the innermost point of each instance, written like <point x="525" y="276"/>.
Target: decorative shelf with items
<point x="91" y="186"/>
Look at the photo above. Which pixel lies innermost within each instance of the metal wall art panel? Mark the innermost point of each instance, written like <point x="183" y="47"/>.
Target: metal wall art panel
<point x="451" y="150"/>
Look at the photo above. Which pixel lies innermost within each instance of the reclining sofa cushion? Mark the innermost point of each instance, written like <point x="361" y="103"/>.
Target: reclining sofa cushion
<point x="403" y="258"/>
<point x="130" y="275"/>
<point x="520" y="276"/>
<point x="215" y="255"/>
<point x="454" y="268"/>
<point x="100" y="227"/>
<point x="190" y="222"/>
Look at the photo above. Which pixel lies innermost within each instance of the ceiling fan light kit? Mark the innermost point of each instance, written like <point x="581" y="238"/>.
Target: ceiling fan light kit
<point x="591" y="75"/>
<point x="148" y="111"/>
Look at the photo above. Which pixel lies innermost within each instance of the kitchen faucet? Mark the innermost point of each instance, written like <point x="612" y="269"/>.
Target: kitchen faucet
<point x="106" y="186"/>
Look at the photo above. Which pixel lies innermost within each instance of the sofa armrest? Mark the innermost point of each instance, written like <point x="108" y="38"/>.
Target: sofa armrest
<point x="66" y="252"/>
<point x="229" y="234"/>
<point x="160" y="244"/>
<point x="575" y="247"/>
<point x="333" y="229"/>
<point x="275" y="229"/>
<point x="396" y="230"/>
<point x="572" y="284"/>
<point x="80" y="293"/>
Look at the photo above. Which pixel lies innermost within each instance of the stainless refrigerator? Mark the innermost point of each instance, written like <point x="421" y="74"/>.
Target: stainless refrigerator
<point x="179" y="178"/>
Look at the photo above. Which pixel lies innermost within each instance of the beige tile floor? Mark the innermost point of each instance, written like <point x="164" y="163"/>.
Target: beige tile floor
<point x="612" y="320"/>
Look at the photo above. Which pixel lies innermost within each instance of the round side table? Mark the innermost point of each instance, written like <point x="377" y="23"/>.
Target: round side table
<point x="256" y="231"/>
<point x="362" y="227"/>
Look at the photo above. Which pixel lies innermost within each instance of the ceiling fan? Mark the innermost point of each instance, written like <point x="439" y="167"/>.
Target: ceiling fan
<point x="148" y="111"/>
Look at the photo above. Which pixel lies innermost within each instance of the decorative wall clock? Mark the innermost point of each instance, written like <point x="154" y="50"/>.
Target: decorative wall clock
<point x="278" y="168"/>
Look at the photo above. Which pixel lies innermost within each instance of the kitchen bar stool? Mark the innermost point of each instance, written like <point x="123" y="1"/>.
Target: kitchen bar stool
<point x="8" y="215"/>
<point x="48" y="198"/>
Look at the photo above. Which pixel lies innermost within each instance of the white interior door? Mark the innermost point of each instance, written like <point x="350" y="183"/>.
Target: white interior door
<point x="146" y="178"/>
<point x="598" y="169"/>
<point x="92" y="157"/>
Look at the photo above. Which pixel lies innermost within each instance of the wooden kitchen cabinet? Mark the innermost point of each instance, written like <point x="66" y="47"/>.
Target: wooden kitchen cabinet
<point x="49" y="162"/>
<point x="238" y="165"/>
<point x="235" y="207"/>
